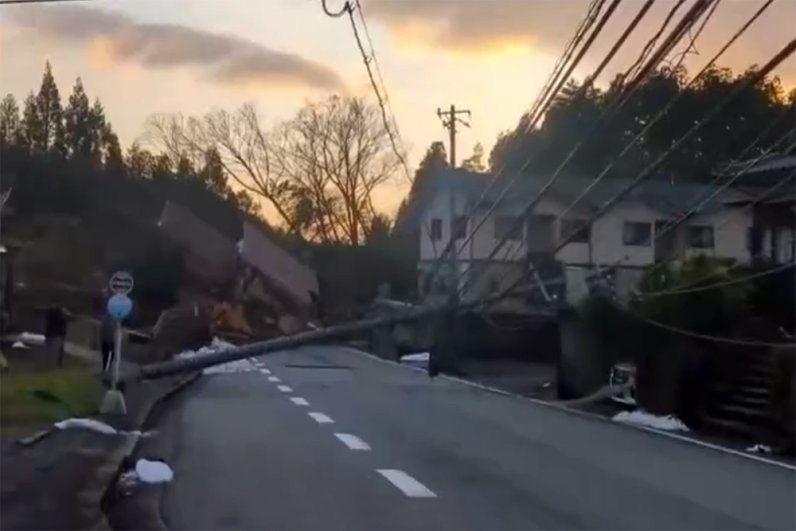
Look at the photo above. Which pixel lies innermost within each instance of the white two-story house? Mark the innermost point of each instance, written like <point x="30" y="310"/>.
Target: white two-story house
<point x="623" y="240"/>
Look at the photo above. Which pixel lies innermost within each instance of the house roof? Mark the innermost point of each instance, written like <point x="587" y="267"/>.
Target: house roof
<point x="293" y="278"/>
<point x="213" y="257"/>
<point x="210" y="254"/>
<point x="669" y="198"/>
<point x="771" y="162"/>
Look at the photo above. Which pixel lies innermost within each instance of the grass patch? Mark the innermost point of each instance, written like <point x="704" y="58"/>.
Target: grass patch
<point x="47" y="396"/>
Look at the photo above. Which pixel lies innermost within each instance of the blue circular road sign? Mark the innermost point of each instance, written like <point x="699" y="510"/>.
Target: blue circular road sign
<point x="119" y="306"/>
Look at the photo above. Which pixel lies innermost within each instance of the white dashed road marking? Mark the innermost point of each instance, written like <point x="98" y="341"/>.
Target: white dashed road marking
<point x="284" y="388"/>
<point x="320" y="418"/>
<point x="273" y="379"/>
<point x="352" y="441"/>
<point x="265" y="371"/>
<point x="299" y="401"/>
<point x="406" y="483"/>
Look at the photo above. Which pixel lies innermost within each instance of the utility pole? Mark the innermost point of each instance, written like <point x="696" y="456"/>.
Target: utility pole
<point x="449" y="119"/>
<point x="443" y="355"/>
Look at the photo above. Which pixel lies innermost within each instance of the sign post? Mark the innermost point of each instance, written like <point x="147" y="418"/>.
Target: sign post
<point x="119" y="307"/>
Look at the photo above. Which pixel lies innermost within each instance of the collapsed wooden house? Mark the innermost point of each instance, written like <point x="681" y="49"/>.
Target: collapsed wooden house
<point x="251" y="287"/>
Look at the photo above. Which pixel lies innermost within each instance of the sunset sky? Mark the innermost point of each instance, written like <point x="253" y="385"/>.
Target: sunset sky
<point x="490" y="56"/>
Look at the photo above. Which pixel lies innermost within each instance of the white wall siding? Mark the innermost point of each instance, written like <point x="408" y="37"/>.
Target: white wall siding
<point x="607" y="245"/>
<point x="440" y="209"/>
<point x="730" y="229"/>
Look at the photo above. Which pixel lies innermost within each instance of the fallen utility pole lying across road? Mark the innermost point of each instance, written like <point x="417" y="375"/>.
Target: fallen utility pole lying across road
<point x="174" y="366"/>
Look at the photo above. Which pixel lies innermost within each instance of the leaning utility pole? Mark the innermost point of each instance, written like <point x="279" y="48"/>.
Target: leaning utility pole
<point x="449" y="120"/>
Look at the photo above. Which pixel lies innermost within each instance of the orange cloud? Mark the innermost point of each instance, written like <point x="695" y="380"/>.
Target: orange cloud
<point x="111" y="37"/>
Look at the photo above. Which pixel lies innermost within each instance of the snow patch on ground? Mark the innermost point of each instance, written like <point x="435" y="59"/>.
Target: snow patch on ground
<point x="147" y="471"/>
<point x="759" y="449"/>
<point x="642" y="418"/>
<point x="419" y="359"/>
<point x="29" y="338"/>
<point x="153" y="471"/>
<point x="219" y="345"/>
<point x="89" y="424"/>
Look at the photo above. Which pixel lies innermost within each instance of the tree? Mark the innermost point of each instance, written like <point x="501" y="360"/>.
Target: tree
<point x="239" y="138"/>
<point x="140" y="161"/>
<point x="212" y="174"/>
<point x="31" y="125"/>
<point x="81" y="131"/>
<point x="332" y="156"/>
<point x="50" y="134"/>
<point x="574" y="118"/>
<point x="111" y="150"/>
<point x="9" y="121"/>
<point x="161" y="168"/>
<point x="318" y="170"/>
<point x="476" y="161"/>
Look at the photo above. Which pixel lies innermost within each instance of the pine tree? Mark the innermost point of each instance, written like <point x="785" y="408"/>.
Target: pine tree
<point x="81" y="139"/>
<point x="30" y="129"/>
<point x="9" y="121"/>
<point x="112" y="151"/>
<point x="48" y="108"/>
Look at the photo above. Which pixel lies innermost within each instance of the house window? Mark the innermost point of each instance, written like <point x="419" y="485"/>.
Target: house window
<point x="436" y="229"/>
<point x="459" y="227"/>
<point x="508" y="228"/>
<point x="576" y="230"/>
<point x="636" y="233"/>
<point x="700" y="237"/>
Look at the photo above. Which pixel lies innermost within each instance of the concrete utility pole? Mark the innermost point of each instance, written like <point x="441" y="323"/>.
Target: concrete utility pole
<point x="449" y="119"/>
<point x="444" y="351"/>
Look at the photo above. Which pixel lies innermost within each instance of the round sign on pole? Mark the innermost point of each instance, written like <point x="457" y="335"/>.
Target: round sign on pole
<point x="121" y="283"/>
<point x="119" y="306"/>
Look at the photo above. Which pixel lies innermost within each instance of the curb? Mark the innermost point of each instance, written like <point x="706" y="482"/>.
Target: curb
<point x="561" y="406"/>
<point x="150" y="501"/>
<point x="90" y="498"/>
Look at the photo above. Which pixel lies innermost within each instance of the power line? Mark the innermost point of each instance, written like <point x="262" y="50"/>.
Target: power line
<point x="11" y="2"/>
<point x="633" y="69"/>
<point x="607" y="113"/>
<point x="559" y="78"/>
<point x="532" y="124"/>
<point x="715" y="191"/>
<point x="695" y="289"/>
<point x="706" y="337"/>
<point x="751" y="205"/>
<point x="669" y="106"/>
<point x="367" y="59"/>
<point x="693" y="38"/>
<point x="580" y="31"/>
<point x="753" y="79"/>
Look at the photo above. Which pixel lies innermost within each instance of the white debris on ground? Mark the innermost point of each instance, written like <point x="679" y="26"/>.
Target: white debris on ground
<point x="153" y="471"/>
<point x="146" y="471"/>
<point x="759" y="449"/>
<point x="30" y="339"/>
<point x="89" y="424"/>
<point x="419" y="359"/>
<point x="218" y="345"/>
<point x="642" y="418"/>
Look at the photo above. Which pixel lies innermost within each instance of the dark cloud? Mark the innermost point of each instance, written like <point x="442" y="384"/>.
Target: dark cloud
<point x="223" y="58"/>
<point x="476" y="25"/>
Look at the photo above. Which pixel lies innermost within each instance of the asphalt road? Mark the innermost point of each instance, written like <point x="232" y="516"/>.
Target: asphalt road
<point x="373" y="446"/>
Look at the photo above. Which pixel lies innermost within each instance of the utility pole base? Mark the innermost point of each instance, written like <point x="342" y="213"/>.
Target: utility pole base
<point x="113" y="403"/>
